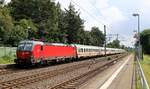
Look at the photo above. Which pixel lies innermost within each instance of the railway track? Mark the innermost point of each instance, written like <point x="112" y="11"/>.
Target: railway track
<point x="16" y="83"/>
<point x="79" y="80"/>
<point x="19" y="82"/>
<point x="4" y="71"/>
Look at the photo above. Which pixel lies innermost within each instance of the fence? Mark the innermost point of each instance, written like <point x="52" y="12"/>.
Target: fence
<point x="7" y="51"/>
<point x="140" y="75"/>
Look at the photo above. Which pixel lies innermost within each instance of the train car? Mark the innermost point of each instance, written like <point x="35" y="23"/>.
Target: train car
<point x="95" y="51"/>
<point x="33" y="52"/>
<point x="87" y="51"/>
<point x="36" y="52"/>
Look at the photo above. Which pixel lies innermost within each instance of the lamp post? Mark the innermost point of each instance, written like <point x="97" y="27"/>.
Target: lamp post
<point x="139" y="42"/>
<point x="105" y="40"/>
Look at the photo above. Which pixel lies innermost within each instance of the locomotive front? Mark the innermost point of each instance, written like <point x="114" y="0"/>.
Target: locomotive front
<point x="24" y="52"/>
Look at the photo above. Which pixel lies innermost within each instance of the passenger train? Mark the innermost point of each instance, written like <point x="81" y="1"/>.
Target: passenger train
<point x="37" y="52"/>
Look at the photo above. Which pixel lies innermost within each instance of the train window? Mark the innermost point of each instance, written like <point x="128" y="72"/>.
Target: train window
<point x="81" y="50"/>
<point x="25" y="47"/>
<point x="86" y="50"/>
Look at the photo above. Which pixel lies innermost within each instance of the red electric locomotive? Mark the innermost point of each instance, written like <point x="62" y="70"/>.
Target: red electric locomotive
<point x="36" y="52"/>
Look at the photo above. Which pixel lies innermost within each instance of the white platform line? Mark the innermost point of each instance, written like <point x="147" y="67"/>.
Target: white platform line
<point x="110" y="80"/>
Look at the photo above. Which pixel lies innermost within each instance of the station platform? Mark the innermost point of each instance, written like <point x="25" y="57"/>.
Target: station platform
<point x="119" y="76"/>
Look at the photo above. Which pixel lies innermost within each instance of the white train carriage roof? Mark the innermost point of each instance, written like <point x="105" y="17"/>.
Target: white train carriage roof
<point x="95" y="47"/>
<point x="87" y="46"/>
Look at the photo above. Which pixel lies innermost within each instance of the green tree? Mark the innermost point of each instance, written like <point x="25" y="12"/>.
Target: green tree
<point x="114" y="44"/>
<point x="43" y="13"/>
<point x="87" y="38"/>
<point x="43" y="19"/>
<point x="74" y="25"/>
<point x="98" y="37"/>
<point x="6" y="24"/>
<point x="23" y="29"/>
<point x="145" y="40"/>
<point x="1" y="2"/>
<point x="62" y="25"/>
<point x="18" y="34"/>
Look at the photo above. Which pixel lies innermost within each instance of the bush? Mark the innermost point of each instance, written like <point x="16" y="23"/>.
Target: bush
<point x="6" y="59"/>
<point x="145" y="41"/>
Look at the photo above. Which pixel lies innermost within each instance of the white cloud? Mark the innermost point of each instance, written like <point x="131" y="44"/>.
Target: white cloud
<point x="144" y="5"/>
<point x="113" y="15"/>
<point x="96" y="12"/>
<point x="101" y="4"/>
<point x="128" y="40"/>
<point x="64" y="4"/>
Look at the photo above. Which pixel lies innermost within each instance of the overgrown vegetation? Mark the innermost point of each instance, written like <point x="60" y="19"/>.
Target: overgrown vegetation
<point x="7" y="59"/>
<point x="7" y="55"/>
<point x="46" y="21"/>
<point x="145" y="41"/>
<point x="146" y="67"/>
<point x="43" y="20"/>
<point x="114" y="44"/>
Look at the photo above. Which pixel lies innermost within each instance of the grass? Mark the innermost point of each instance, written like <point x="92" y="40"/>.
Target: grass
<point x="6" y="59"/>
<point x="146" y="67"/>
<point x="7" y="55"/>
<point x="138" y="82"/>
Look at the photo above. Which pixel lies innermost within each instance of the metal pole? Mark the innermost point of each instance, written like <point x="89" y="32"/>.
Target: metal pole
<point x="139" y="43"/>
<point x="140" y="46"/>
<point x="105" y="39"/>
<point x="117" y="36"/>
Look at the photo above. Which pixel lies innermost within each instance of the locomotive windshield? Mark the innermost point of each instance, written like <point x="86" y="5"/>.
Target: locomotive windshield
<point x="25" y="47"/>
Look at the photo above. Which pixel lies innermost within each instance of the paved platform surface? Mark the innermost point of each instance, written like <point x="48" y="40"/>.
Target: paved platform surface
<point x="125" y="79"/>
<point x="118" y="76"/>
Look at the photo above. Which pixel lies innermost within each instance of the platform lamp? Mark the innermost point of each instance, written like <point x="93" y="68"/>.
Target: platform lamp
<point x="139" y="42"/>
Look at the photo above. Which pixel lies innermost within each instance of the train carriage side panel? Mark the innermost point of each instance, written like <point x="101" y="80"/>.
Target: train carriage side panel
<point x="58" y="51"/>
<point x="52" y="52"/>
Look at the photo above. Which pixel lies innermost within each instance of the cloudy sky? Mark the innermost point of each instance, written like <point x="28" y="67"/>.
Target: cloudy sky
<point x="115" y="14"/>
